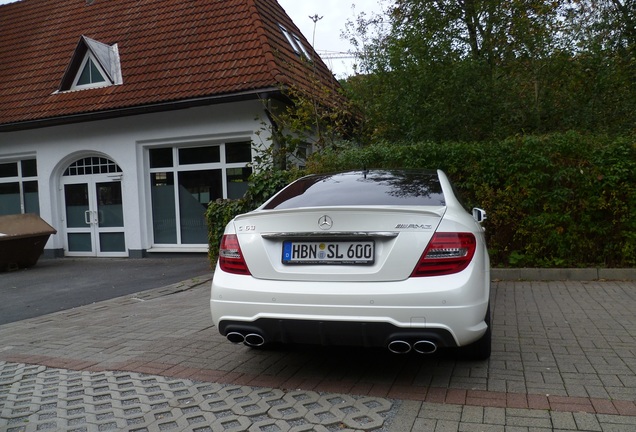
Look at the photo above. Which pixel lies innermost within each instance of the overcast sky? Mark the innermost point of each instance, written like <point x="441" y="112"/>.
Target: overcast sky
<point x="335" y="14"/>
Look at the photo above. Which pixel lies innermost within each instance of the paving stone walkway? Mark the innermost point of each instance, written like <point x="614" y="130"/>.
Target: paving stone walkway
<point x="564" y="358"/>
<point x="38" y="398"/>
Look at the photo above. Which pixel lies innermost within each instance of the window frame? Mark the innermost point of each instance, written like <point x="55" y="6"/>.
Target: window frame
<point x="89" y="57"/>
<point x="177" y="167"/>
<point x="21" y="179"/>
<point x="295" y="42"/>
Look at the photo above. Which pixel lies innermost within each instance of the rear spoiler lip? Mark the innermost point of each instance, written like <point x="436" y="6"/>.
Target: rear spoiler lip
<point x="437" y="211"/>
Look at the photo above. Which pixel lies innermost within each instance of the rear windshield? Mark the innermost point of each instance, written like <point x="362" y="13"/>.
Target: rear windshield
<point x="402" y="188"/>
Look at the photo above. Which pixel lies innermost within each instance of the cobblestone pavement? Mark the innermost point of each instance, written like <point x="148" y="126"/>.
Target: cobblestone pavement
<point x="45" y="398"/>
<point x="564" y="358"/>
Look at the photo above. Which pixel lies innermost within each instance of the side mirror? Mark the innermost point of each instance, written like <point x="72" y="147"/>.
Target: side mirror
<point x="479" y="214"/>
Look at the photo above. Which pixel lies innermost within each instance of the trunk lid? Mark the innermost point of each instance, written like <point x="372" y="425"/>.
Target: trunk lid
<point x="336" y="243"/>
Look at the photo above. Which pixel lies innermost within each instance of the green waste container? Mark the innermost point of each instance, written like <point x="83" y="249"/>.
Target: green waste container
<point x="22" y="240"/>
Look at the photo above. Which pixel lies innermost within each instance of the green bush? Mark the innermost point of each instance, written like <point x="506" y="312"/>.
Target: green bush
<point x="262" y="185"/>
<point x="562" y="200"/>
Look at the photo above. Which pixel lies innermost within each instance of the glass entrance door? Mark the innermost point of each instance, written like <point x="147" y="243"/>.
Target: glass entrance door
<point x="94" y="218"/>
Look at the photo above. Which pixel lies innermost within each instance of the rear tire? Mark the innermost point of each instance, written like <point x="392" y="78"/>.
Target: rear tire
<point x="480" y="349"/>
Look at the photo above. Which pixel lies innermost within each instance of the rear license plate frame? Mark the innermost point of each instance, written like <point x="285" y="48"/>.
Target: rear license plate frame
<point x="332" y="252"/>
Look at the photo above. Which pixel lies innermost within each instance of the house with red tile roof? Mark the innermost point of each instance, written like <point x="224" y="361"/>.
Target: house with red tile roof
<point x="120" y="120"/>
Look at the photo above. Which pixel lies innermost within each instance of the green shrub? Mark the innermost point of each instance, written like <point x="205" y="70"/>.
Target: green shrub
<point x="262" y="185"/>
<point x="562" y="200"/>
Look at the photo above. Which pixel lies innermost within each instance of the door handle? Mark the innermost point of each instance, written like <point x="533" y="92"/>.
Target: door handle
<point x="90" y="217"/>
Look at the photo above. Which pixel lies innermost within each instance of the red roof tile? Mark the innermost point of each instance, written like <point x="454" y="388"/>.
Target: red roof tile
<point x="170" y="51"/>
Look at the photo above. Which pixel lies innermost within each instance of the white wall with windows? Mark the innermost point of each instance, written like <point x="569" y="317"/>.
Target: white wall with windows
<point x="125" y="186"/>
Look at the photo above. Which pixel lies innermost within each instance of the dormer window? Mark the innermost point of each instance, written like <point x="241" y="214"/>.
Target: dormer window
<point x="94" y="64"/>
<point x="294" y="41"/>
<point x="91" y="75"/>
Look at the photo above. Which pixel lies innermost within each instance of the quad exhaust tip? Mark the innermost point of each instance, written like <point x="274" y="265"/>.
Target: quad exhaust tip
<point x="404" y="347"/>
<point x="424" y="347"/>
<point x="254" y="340"/>
<point x="249" y="339"/>
<point x="397" y="346"/>
<point x="235" y="337"/>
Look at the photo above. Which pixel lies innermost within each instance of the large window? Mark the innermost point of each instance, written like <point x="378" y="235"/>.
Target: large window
<point x="183" y="180"/>
<point x="19" y="187"/>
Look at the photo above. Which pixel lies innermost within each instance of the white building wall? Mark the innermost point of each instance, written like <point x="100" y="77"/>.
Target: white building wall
<point x="125" y="141"/>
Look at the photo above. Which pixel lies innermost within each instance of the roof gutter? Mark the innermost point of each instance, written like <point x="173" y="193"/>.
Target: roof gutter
<point x="142" y="109"/>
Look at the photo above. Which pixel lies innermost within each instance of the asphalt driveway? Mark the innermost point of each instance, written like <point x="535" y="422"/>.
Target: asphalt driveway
<point x="58" y="284"/>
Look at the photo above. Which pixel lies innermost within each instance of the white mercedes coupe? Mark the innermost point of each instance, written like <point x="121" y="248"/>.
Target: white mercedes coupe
<point x="365" y="258"/>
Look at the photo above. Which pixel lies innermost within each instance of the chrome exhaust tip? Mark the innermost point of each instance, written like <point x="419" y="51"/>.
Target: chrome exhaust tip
<point x="399" y="347"/>
<point x="425" y="347"/>
<point x="235" y="337"/>
<point x="254" y="340"/>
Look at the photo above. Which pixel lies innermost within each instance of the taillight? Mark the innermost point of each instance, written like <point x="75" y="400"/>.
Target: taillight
<point x="230" y="256"/>
<point x="446" y="253"/>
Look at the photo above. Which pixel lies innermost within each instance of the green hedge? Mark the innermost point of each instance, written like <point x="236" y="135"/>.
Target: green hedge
<point x="564" y="200"/>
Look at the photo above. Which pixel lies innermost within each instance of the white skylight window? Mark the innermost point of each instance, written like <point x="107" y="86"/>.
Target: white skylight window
<point x="294" y="41"/>
<point x="94" y="64"/>
<point x="301" y="46"/>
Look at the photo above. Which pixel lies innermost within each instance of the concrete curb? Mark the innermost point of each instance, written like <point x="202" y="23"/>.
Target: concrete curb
<point x="572" y="274"/>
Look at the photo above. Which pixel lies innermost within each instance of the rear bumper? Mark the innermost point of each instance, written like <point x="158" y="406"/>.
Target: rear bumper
<point x="449" y="310"/>
<point x="340" y="333"/>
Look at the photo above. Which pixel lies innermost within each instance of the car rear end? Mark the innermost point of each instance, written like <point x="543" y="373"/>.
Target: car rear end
<point x="377" y="259"/>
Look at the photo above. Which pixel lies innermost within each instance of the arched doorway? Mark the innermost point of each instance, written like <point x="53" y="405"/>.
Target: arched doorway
<point x="93" y="208"/>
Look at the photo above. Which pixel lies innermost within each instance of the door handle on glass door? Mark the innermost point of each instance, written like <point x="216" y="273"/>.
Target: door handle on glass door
<point x="90" y="217"/>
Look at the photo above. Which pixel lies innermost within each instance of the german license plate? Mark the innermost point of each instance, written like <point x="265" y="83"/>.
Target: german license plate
<point x="329" y="252"/>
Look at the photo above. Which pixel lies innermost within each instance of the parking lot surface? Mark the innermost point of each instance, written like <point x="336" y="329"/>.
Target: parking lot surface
<point x="564" y="358"/>
<point x="59" y="284"/>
